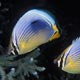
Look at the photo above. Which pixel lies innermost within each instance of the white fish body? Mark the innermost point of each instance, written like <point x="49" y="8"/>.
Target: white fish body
<point x="70" y="60"/>
<point x="34" y="28"/>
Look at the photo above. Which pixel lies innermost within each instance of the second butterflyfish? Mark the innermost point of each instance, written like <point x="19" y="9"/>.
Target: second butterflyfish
<point x="33" y="29"/>
<point x="69" y="60"/>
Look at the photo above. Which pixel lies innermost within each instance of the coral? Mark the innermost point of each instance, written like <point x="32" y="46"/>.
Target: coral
<point x="19" y="66"/>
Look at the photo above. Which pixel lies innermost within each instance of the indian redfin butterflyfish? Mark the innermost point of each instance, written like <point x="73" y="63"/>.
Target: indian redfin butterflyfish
<point x="69" y="60"/>
<point x="33" y="29"/>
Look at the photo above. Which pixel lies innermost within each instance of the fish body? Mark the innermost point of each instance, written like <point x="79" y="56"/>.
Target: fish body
<point x="69" y="60"/>
<point x="33" y="29"/>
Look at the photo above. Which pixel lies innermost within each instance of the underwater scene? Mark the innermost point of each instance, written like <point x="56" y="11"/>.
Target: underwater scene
<point x="39" y="40"/>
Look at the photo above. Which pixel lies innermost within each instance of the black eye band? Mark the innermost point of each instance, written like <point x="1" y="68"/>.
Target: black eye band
<point x="15" y="51"/>
<point x="61" y="62"/>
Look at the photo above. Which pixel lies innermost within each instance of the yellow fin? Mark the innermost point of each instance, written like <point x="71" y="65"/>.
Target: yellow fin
<point x="56" y="34"/>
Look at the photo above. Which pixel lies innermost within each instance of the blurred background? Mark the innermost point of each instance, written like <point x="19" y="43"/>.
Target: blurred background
<point x="68" y="16"/>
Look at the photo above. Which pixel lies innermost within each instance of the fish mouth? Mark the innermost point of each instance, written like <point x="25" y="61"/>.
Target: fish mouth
<point x="56" y="33"/>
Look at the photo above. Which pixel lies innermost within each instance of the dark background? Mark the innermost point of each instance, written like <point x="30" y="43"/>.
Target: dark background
<point x="68" y="16"/>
